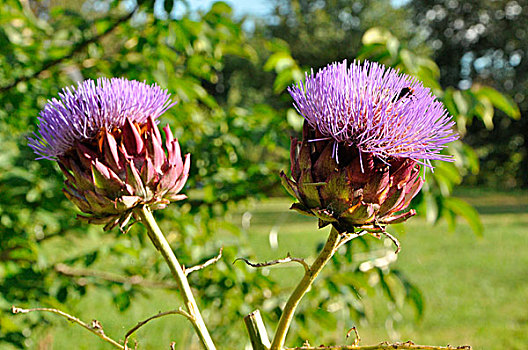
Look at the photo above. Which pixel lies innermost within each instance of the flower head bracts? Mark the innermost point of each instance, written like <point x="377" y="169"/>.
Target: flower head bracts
<point x="106" y="141"/>
<point x="82" y="111"/>
<point x="375" y="109"/>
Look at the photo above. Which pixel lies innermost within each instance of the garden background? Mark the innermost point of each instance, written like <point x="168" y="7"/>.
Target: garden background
<point x="462" y="275"/>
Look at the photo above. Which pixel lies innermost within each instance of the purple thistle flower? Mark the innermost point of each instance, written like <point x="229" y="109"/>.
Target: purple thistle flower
<point x="367" y="129"/>
<point x="80" y="113"/>
<point x="376" y="110"/>
<point x="105" y="140"/>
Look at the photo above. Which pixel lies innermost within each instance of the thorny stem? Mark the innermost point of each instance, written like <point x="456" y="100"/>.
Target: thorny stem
<point x="287" y="259"/>
<point x="160" y="242"/>
<point x="289" y="309"/>
<point x="95" y="328"/>
<point x="161" y="314"/>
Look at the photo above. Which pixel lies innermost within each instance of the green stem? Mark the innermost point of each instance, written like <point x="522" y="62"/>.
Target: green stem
<point x="257" y="331"/>
<point x="289" y="309"/>
<point x="160" y="242"/>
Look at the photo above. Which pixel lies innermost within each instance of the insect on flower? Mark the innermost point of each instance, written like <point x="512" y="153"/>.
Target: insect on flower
<point x="404" y="93"/>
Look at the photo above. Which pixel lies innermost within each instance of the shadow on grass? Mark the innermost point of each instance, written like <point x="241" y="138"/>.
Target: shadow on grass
<point x="502" y="209"/>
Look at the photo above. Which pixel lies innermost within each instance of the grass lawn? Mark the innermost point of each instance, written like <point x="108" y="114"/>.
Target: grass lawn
<point x="475" y="289"/>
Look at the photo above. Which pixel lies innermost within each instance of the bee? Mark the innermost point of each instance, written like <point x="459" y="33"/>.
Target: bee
<point x="406" y="92"/>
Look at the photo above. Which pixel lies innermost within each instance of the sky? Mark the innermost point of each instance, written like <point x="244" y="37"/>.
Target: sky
<point x="240" y="7"/>
<point x="254" y="7"/>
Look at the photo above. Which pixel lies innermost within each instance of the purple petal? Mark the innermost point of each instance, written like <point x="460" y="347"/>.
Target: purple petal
<point x="81" y="112"/>
<point x="364" y="105"/>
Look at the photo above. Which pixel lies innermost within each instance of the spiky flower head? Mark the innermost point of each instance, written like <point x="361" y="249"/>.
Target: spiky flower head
<point x="367" y="131"/>
<point x="104" y="136"/>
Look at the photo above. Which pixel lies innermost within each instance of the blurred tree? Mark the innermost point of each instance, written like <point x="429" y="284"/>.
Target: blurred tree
<point x="319" y="32"/>
<point x="483" y="43"/>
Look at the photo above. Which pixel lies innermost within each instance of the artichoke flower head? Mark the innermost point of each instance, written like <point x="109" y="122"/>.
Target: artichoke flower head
<point x="104" y="137"/>
<point x="367" y="133"/>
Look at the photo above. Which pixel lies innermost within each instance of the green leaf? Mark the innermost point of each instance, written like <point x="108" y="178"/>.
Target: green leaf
<point x="373" y="52"/>
<point x="412" y="294"/>
<point x="385" y="285"/>
<point x="283" y="80"/>
<point x="62" y="294"/>
<point x="279" y="61"/>
<point x="461" y="102"/>
<point x="432" y="211"/>
<point x="449" y="101"/>
<point x="168" y="5"/>
<point x="408" y="60"/>
<point x="484" y="110"/>
<point x="376" y="35"/>
<point x="89" y="259"/>
<point x="449" y="171"/>
<point x="393" y="46"/>
<point x="221" y="8"/>
<point x="500" y="101"/>
<point x="122" y="300"/>
<point x="471" y="158"/>
<point x="294" y="119"/>
<point x="465" y="210"/>
<point x="429" y="65"/>
<point x="429" y="80"/>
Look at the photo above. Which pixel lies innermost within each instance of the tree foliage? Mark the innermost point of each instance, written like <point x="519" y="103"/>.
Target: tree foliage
<point x="483" y="44"/>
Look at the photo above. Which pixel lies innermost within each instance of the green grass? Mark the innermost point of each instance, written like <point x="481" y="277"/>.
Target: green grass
<point x="475" y="289"/>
